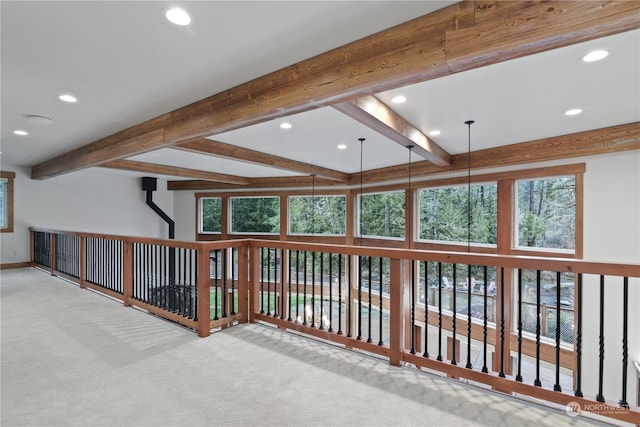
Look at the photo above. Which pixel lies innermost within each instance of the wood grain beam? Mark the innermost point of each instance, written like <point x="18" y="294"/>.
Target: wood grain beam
<point x="220" y="149"/>
<point x="443" y="42"/>
<point x="372" y="112"/>
<point x="175" y="171"/>
<point x="255" y="183"/>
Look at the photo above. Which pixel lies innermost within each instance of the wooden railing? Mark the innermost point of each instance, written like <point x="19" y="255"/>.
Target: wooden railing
<point x="395" y="303"/>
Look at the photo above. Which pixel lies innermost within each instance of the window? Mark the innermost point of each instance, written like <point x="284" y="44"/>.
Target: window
<point x="210" y="215"/>
<point x="317" y="215"/>
<point x="6" y="201"/>
<point x="546" y="213"/>
<point x="255" y="215"/>
<point x="443" y="214"/>
<point x="381" y="215"/>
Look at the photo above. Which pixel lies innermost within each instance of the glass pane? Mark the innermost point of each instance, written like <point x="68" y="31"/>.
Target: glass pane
<point x="255" y="215"/>
<point x="317" y="215"/>
<point x="3" y="208"/>
<point x="443" y="214"/>
<point x="382" y="214"/>
<point x="547" y="213"/>
<point x="211" y="215"/>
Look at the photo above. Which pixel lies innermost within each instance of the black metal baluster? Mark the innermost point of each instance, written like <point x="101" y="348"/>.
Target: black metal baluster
<point x="164" y="283"/>
<point x="321" y="290"/>
<point x="298" y="286"/>
<point x="556" y="386"/>
<point x="454" y="318"/>
<point x="519" y="374"/>
<point x="339" y="294"/>
<point x="349" y="262"/>
<point x="412" y="296"/>
<point x="537" y="382"/>
<point x="439" y="358"/>
<point x="469" y="288"/>
<point x="283" y="302"/>
<point x="304" y="288"/>
<point x="484" y="323"/>
<point x="502" y="286"/>
<point x="600" y="396"/>
<point x="313" y="289"/>
<point x="268" y="281"/>
<point x="275" y="282"/>
<point x="380" y="341"/>
<point x="370" y="285"/>
<point x="194" y="287"/>
<point x="625" y="349"/>
<point x="262" y="280"/>
<point x="225" y="274"/>
<point x="426" y="309"/>
<point x="289" y="294"/>
<point x="359" y="337"/>
<point x="578" y="391"/>
<point x="330" y="329"/>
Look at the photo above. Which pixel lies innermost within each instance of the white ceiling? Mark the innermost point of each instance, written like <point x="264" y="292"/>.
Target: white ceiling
<point x="126" y="64"/>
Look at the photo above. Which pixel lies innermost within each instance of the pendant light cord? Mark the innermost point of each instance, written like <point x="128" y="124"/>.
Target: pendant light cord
<point x="469" y="216"/>
<point x="409" y="201"/>
<point x="313" y="207"/>
<point x="361" y="180"/>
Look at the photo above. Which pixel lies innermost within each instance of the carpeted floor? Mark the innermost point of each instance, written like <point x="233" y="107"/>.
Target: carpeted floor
<point x="71" y="357"/>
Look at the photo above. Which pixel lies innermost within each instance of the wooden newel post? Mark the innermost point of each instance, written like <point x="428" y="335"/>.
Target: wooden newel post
<point x="243" y="284"/>
<point x="204" y="304"/>
<point x="127" y="267"/>
<point x="396" y="306"/>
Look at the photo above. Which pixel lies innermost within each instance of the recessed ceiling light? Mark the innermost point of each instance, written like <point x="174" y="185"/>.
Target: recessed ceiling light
<point x="342" y="147"/>
<point x="285" y="125"/>
<point x="178" y="16"/>
<point x="68" y="98"/>
<point x="40" y="120"/>
<point x="596" y="55"/>
<point x="399" y="99"/>
<point x="21" y="132"/>
<point x="573" y="112"/>
<point x="434" y="132"/>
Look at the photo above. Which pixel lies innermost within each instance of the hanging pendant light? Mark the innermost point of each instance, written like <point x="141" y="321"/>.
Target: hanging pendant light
<point x="361" y="182"/>
<point x="469" y="217"/>
<point x="313" y="206"/>
<point x="409" y="201"/>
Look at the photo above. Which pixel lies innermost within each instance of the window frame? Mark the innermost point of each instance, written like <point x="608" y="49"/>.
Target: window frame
<point x="9" y="177"/>
<point x="200" y="223"/>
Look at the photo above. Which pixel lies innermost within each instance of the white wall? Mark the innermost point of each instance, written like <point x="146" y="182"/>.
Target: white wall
<point x="95" y="200"/>
<point x="184" y="208"/>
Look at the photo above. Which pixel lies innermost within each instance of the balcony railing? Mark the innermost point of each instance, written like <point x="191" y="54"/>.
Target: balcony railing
<point x="515" y="324"/>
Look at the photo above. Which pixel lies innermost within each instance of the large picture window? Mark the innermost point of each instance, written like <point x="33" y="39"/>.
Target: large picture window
<point x="546" y="216"/>
<point x="211" y="215"/>
<point x="381" y="215"/>
<point x="6" y="201"/>
<point x="255" y="215"/>
<point x="317" y="215"/>
<point x="443" y="214"/>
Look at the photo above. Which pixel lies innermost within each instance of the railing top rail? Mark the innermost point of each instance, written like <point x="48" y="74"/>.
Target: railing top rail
<point x="507" y="261"/>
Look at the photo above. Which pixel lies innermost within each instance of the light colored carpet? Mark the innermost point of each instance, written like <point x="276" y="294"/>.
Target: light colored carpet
<point x="71" y="357"/>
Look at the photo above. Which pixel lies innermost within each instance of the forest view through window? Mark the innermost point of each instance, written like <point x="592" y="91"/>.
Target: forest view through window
<point x="317" y="215"/>
<point x="382" y="214"/>
<point x="255" y="215"/>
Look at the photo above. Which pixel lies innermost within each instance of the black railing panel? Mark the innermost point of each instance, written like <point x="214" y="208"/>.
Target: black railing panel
<point x="104" y="264"/>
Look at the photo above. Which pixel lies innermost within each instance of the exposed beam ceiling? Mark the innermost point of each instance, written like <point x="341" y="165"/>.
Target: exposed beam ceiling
<point x="220" y="149"/>
<point x="456" y="38"/>
<point x="370" y="111"/>
<point x="175" y="171"/>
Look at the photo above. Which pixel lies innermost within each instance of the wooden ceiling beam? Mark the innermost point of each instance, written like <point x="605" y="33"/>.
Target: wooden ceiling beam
<point x="446" y="41"/>
<point x="175" y="171"/>
<point x="256" y="183"/>
<point x="373" y="113"/>
<point x="220" y="149"/>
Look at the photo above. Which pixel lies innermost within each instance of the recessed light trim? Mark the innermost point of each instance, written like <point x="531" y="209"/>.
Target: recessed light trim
<point x="21" y="132"/>
<point x="434" y="132"/>
<point x="595" y="55"/>
<point x="573" y="112"/>
<point x="285" y="125"/>
<point x="178" y="16"/>
<point x="67" y="98"/>
<point x="342" y="146"/>
<point x="399" y="99"/>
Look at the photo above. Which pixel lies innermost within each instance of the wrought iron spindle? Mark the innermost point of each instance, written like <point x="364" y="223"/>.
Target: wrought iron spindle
<point x="298" y="286"/>
<point x="225" y="274"/>
<point x="268" y="281"/>
<point x="349" y="297"/>
<point x="304" y="293"/>
<point x="537" y="382"/>
<point x="625" y="349"/>
<point x="556" y="386"/>
<point x="502" y="286"/>
<point x="454" y="318"/>
<point x="321" y="291"/>
<point x="369" y="312"/>
<point x="578" y="390"/>
<point x="330" y="329"/>
<point x="359" y="337"/>
<point x="262" y="280"/>
<point x="600" y="396"/>
<point x="339" y="294"/>
<point x="313" y="289"/>
<point x="380" y="341"/>
<point x="469" y="287"/>
<point x="484" y="321"/>
<point x="439" y="358"/>
<point x="412" y="295"/>
<point x="194" y="287"/>
<point x="519" y="374"/>
<point x="426" y="309"/>
<point x="283" y="302"/>
<point x="289" y="294"/>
